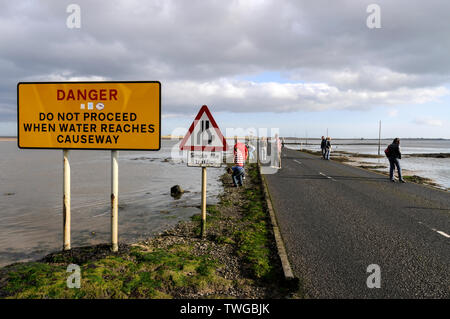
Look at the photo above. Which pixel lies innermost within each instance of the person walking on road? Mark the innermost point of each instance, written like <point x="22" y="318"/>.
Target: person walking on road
<point x="328" y="148"/>
<point x="394" y="155"/>
<point x="323" y="145"/>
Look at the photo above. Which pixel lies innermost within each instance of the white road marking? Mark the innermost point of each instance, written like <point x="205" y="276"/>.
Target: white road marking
<point x="440" y="232"/>
<point x="297" y="162"/>
<point x="327" y="176"/>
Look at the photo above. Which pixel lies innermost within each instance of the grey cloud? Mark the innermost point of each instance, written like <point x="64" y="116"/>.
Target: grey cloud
<point x="205" y="41"/>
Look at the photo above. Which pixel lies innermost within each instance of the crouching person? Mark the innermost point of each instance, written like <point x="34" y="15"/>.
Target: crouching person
<point x="237" y="173"/>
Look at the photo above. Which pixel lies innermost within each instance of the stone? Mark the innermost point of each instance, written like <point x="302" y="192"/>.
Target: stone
<point x="176" y="191"/>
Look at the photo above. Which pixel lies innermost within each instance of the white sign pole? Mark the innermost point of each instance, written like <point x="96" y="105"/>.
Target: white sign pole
<point x="114" y="202"/>
<point x="203" y="202"/>
<point x="66" y="200"/>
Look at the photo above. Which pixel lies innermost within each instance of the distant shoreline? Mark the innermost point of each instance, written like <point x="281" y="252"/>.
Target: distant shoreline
<point x="8" y="138"/>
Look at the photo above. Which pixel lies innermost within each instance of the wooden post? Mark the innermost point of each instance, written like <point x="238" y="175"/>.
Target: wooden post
<point x="66" y="200"/>
<point x="257" y="149"/>
<point x="114" y="202"/>
<point x="203" y="202"/>
<point x="379" y="139"/>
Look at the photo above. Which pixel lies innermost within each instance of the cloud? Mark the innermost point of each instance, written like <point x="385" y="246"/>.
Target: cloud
<point x="429" y="122"/>
<point x="198" y="50"/>
<point x="248" y="96"/>
<point x="393" y="113"/>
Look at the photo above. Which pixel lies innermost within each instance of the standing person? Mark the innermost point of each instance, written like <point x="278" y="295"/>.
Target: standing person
<point x="263" y="149"/>
<point x="251" y="149"/>
<point x="394" y="155"/>
<point x="323" y="145"/>
<point x="328" y="148"/>
<point x="278" y="145"/>
<point x="240" y="156"/>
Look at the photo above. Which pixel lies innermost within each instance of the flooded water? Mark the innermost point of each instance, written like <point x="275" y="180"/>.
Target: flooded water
<point x="31" y="197"/>
<point x="437" y="169"/>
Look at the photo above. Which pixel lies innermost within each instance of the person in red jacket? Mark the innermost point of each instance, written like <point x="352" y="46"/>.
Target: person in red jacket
<point x="240" y="154"/>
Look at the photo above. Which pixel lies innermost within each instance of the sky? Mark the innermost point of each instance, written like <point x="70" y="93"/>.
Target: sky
<point x="299" y="67"/>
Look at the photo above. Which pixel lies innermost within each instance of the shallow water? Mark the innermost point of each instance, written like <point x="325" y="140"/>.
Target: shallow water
<point x="437" y="169"/>
<point x="31" y="197"/>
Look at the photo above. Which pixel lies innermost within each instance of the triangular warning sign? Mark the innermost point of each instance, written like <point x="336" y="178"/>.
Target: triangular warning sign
<point x="204" y="134"/>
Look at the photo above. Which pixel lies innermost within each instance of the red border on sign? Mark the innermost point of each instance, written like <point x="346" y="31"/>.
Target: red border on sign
<point x="224" y="147"/>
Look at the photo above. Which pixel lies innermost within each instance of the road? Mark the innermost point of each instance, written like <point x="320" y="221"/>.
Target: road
<point x="336" y="220"/>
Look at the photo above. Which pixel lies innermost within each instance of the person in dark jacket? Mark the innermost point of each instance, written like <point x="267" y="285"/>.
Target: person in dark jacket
<point x="237" y="173"/>
<point x="394" y="155"/>
<point x="323" y="145"/>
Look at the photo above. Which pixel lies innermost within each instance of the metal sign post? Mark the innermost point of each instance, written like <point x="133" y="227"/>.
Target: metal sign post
<point x="114" y="202"/>
<point x="203" y="202"/>
<point x="205" y="144"/>
<point x="66" y="200"/>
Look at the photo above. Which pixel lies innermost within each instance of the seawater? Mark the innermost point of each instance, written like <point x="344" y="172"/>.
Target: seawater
<point x="31" y="197"/>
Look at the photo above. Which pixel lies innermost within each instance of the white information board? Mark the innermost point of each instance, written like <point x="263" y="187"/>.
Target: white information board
<point x="205" y="159"/>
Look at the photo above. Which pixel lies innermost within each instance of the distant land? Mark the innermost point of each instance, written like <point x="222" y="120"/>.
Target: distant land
<point x="8" y="138"/>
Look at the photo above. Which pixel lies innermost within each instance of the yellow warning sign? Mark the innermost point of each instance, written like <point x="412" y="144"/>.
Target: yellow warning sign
<point x="89" y="115"/>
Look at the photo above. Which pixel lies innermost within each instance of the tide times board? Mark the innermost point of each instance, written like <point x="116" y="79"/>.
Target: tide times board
<point x="89" y="115"/>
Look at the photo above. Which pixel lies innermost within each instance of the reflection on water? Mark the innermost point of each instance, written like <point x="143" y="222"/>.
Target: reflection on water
<point x="31" y="197"/>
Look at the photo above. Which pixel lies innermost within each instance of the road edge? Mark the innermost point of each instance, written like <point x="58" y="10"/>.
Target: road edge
<point x="281" y="249"/>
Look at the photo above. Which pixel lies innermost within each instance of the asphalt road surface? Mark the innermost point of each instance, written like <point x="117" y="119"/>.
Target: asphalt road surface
<point x="336" y="220"/>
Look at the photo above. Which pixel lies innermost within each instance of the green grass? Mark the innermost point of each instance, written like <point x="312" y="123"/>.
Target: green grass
<point x="141" y="274"/>
<point x="251" y="235"/>
<point x="419" y="180"/>
<point x="254" y="239"/>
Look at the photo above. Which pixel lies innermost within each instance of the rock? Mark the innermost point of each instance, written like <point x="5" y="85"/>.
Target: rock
<point x="176" y="191"/>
